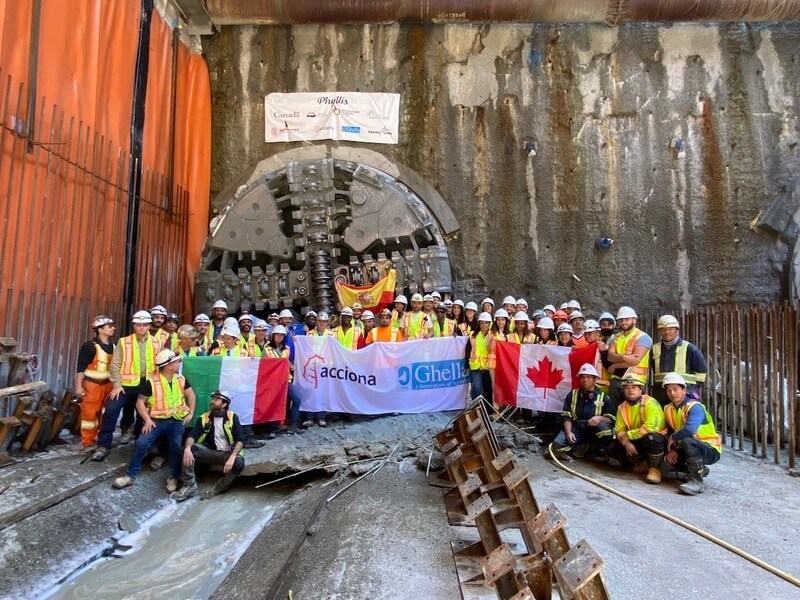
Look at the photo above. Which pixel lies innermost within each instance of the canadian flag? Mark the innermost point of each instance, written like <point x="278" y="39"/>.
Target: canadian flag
<point x="537" y="376"/>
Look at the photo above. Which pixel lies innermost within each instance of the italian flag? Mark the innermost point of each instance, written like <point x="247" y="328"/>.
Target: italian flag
<point x="537" y="376"/>
<point x="257" y="386"/>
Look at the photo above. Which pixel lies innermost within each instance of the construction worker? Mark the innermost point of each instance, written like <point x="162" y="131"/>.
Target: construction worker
<point x="640" y="429"/>
<point x="564" y="335"/>
<point x="522" y="306"/>
<point x="510" y="305"/>
<point x="416" y="324"/>
<point x="256" y="345"/>
<point x="591" y="333"/>
<point x="386" y="331"/>
<point x="560" y="317"/>
<point x="201" y="324"/>
<point x="92" y="379"/>
<point x="588" y="416"/>
<point x="216" y="439"/>
<point x="448" y="305"/>
<point x="487" y="305"/>
<point x="442" y="326"/>
<point x="437" y="298"/>
<point x="427" y="307"/>
<point x="218" y="314"/>
<point x="399" y="311"/>
<point x="245" y="327"/>
<point x="159" y="316"/>
<point x="278" y="349"/>
<point x="470" y="324"/>
<point x="230" y="342"/>
<point x="693" y="442"/>
<point x="133" y="361"/>
<point x="501" y="326"/>
<point x="607" y="325"/>
<point x="545" y="332"/>
<point x="628" y="353"/>
<point x="345" y="333"/>
<point x="273" y="319"/>
<point x="166" y="405"/>
<point x="549" y="310"/>
<point x="358" y="313"/>
<point x="286" y="318"/>
<point x="367" y="322"/>
<point x="187" y="342"/>
<point x="521" y="335"/>
<point x="458" y="312"/>
<point x="310" y="322"/>
<point x="673" y="354"/>
<point x="576" y="321"/>
<point x="321" y="325"/>
<point x="571" y="307"/>
<point x="481" y="345"/>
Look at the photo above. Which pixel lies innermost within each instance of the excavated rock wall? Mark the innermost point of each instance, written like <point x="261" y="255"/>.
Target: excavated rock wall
<point x="604" y="105"/>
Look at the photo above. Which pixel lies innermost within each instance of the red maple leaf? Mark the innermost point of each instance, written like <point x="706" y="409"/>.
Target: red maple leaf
<point x="545" y="376"/>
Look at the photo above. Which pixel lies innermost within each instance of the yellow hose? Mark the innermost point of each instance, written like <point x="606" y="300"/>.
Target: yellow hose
<point x="738" y="551"/>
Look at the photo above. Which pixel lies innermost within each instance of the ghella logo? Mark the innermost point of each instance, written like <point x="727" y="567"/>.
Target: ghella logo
<point x="433" y="375"/>
<point x="316" y="369"/>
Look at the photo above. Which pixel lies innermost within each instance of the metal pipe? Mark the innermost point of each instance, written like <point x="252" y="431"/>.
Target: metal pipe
<point x="611" y="12"/>
<point x="33" y="68"/>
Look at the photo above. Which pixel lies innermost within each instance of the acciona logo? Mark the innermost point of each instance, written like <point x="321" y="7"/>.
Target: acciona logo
<point x="315" y="369"/>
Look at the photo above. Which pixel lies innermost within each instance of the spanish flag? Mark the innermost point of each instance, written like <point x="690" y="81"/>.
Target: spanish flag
<point x="372" y="297"/>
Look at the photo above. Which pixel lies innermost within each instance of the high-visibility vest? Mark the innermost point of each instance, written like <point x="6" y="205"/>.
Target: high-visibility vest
<point x="223" y="351"/>
<point x="635" y="419"/>
<point x="348" y="339"/>
<point x="372" y="336"/>
<point x="227" y="427"/>
<point x="98" y="368"/>
<point x="447" y="330"/>
<point x="253" y="349"/>
<point x="416" y="325"/>
<point x="167" y="401"/>
<point x="398" y="319"/>
<point x="579" y="342"/>
<point x="624" y="343"/>
<point x="514" y="338"/>
<point x="316" y="333"/>
<point x="599" y="398"/>
<point x="162" y="335"/>
<point x="208" y="338"/>
<point x="676" y="419"/>
<point x="498" y="336"/>
<point x="479" y="358"/>
<point x="604" y="381"/>
<point x="681" y="352"/>
<point x="130" y="371"/>
<point x="193" y="351"/>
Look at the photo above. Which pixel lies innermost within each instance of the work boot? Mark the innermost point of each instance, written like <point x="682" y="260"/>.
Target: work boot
<point x="308" y="423"/>
<point x="219" y="487"/>
<point x="100" y="454"/>
<point x="653" y="475"/>
<point x="122" y="482"/>
<point x="254" y="443"/>
<point x="126" y="438"/>
<point x="614" y="462"/>
<point x="684" y="477"/>
<point x="581" y="450"/>
<point x="641" y="467"/>
<point x="90" y="449"/>
<point x="172" y="484"/>
<point x="322" y="423"/>
<point x="187" y="491"/>
<point x="157" y="463"/>
<point x="271" y="435"/>
<point x="695" y="484"/>
<point x="293" y="429"/>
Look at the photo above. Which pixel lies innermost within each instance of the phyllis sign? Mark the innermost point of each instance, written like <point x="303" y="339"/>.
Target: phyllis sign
<point x="348" y="116"/>
<point x="410" y="377"/>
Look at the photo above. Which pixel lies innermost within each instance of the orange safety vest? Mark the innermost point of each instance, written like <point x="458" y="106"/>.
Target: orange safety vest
<point x="624" y="344"/>
<point x="676" y="418"/>
<point x="131" y="372"/>
<point x="374" y="335"/>
<point x="98" y="368"/>
<point x="579" y="342"/>
<point x="349" y="339"/>
<point x="167" y="401"/>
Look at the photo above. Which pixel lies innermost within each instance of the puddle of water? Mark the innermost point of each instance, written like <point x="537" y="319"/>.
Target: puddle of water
<point x="184" y="551"/>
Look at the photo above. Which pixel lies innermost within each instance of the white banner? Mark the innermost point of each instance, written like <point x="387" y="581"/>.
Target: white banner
<point x="347" y="116"/>
<point x="419" y="376"/>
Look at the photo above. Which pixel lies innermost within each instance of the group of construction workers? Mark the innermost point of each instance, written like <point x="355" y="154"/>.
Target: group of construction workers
<point x="140" y="379"/>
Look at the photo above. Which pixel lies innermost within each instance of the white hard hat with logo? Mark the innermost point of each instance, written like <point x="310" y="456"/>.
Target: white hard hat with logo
<point x="101" y="320"/>
<point x="346" y="312"/>
<point x="416" y="298"/>
<point x="261" y="324"/>
<point x="591" y="325"/>
<point x="202" y="318"/>
<point x="166" y="357"/>
<point x="588" y="369"/>
<point x="668" y="321"/>
<point x="141" y="317"/>
<point x="158" y="310"/>
<point x="367" y="314"/>
<point x="674" y="378"/>
<point x="626" y="312"/>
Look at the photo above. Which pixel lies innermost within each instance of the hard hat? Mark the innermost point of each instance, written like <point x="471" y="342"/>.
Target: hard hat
<point x="564" y="306"/>
<point x="522" y="302"/>
<point x="246" y="317"/>
<point x="357" y="306"/>
<point x="668" y="321"/>
<point x="487" y="299"/>
<point x="576" y="314"/>
<point x="546" y="323"/>
<point x="436" y="296"/>
<point x="101" y="320"/>
<point x="202" y="318"/>
<point x="441" y="306"/>
<point x="632" y="380"/>
<point x="626" y="312"/>
<point x="367" y="314"/>
<point x="286" y="314"/>
<point x="231" y="330"/>
<point x="538" y="314"/>
<point x="141" y="317"/>
<point x="222" y="395"/>
<point x="230" y="322"/>
<point x="509" y="300"/>
<point x="591" y="325"/>
<point x="448" y="302"/>
<point x="521" y="316"/>
<point x="278" y="329"/>
<point x="427" y="298"/>
<point x="501" y="312"/>
<point x="261" y="324"/>
<point x="158" y="310"/>
<point x="560" y="314"/>
<point x="574" y="304"/>
<point x="675" y="378"/>
<point x="311" y="313"/>
<point x="346" y="312"/>
<point x="166" y="357"/>
<point x="323" y="316"/>
<point x="273" y="316"/>
<point x="386" y="312"/>
<point x="401" y="298"/>
<point x="588" y="369"/>
<point x="458" y="302"/>
<point x="187" y="332"/>
<point x="173" y="317"/>
<point x="549" y="307"/>
<point x="471" y="306"/>
<point x="607" y="316"/>
<point x="565" y="327"/>
<point x="484" y="316"/>
<point x="221" y="304"/>
<point x="416" y="298"/>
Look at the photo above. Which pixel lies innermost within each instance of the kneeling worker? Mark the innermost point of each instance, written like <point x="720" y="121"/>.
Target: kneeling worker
<point x="693" y="439"/>
<point x="588" y="415"/>
<point x="217" y="439"/>
<point x="640" y="429"/>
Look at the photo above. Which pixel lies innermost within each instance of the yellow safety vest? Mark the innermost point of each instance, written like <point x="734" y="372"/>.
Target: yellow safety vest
<point x="447" y="330"/>
<point x="193" y="351"/>
<point x="271" y="352"/>
<point x="634" y="418"/>
<point x="235" y="351"/>
<point x="167" y="401"/>
<point x="514" y="338"/>
<point x="680" y="365"/>
<point x="349" y="339"/>
<point x="415" y="325"/>
<point x="316" y="333"/>
<point x="130" y="372"/>
<point x="254" y="350"/>
<point x="676" y="419"/>
<point x="98" y="368"/>
<point x="624" y="343"/>
<point x="479" y="358"/>
<point x="227" y="427"/>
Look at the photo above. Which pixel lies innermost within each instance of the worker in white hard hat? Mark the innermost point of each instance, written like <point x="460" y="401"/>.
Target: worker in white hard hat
<point x="487" y="305"/>
<point x="399" y="311"/>
<point x="502" y="325"/>
<point x="480" y="347"/>
<point x="546" y="332"/>
<point x="202" y="324"/>
<point x="564" y="335"/>
<point x="448" y="306"/>
<point x="166" y="405"/>
<point x="470" y="323"/>
<point x="628" y="354"/>
<point x="692" y="442"/>
<point x="416" y="324"/>
<point x="673" y="354"/>
<point x="587" y="418"/>
<point x="277" y="349"/>
<point x="93" y="379"/>
<point x="256" y="346"/>
<point x="522" y="305"/>
<point x="218" y="313"/>
<point x="245" y="327"/>
<point x="591" y="333"/>
<point x="549" y="310"/>
<point x="442" y="326"/>
<point x="509" y="303"/>
<point x="607" y="326"/>
<point x="640" y="431"/>
<point x="309" y="322"/>
<point x="367" y="323"/>
<point x="358" y="313"/>
<point x="159" y="317"/>
<point x="458" y="311"/>
<point x="521" y="335"/>
<point x="386" y="330"/>
<point x="427" y="305"/>
<point x="571" y="307"/>
<point x="286" y="318"/>
<point x="133" y="361"/>
<point x="321" y="326"/>
<point x="230" y="345"/>
<point x="437" y="297"/>
<point x="346" y="333"/>
<point x="273" y="319"/>
<point x="576" y="321"/>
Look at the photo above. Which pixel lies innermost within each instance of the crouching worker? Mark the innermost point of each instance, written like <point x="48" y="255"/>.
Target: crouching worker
<point x="166" y="405"/>
<point x="588" y="417"/>
<point x="640" y="429"/>
<point x="693" y="442"/>
<point x="217" y="439"/>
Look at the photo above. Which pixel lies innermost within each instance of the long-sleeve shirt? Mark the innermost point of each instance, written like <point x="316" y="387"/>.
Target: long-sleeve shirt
<point x="586" y="408"/>
<point x="695" y="418"/>
<point x="646" y="416"/>
<point x="116" y="361"/>
<point x="695" y="361"/>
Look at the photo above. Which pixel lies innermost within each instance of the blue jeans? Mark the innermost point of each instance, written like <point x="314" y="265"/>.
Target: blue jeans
<point x="172" y="429"/>
<point x="294" y="406"/>
<point x="481" y="384"/>
<point x="122" y="403"/>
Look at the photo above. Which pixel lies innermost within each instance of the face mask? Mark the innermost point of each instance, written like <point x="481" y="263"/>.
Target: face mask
<point x="606" y="331"/>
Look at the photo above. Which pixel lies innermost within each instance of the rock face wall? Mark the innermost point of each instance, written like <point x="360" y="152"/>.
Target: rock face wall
<point x="604" y="106"/>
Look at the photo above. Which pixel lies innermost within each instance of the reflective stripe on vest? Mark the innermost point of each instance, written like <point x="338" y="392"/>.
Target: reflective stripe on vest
<point x="167" y="401"/>
<point x="227" y="427"/>
<point x="193" y="351"/>
<point x="627" y="418"/>
<point x="598" y="404"/>
<point x="446" y="331"/>
<point x="479" y="358"/>
<point x="677" y="417"/>
<point x="414" y="325"/>
<point x="373" y="334"/>
<point x="514" y="338"/>
<point x="223" y="351"/>
<point x="628" y="343"/>
<point x="130" y="371"/>
<point x="254" y="350"/>
<point x="98" y="368"/>
<point x="681" y="353"/>
<point x="349" y="339"/>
